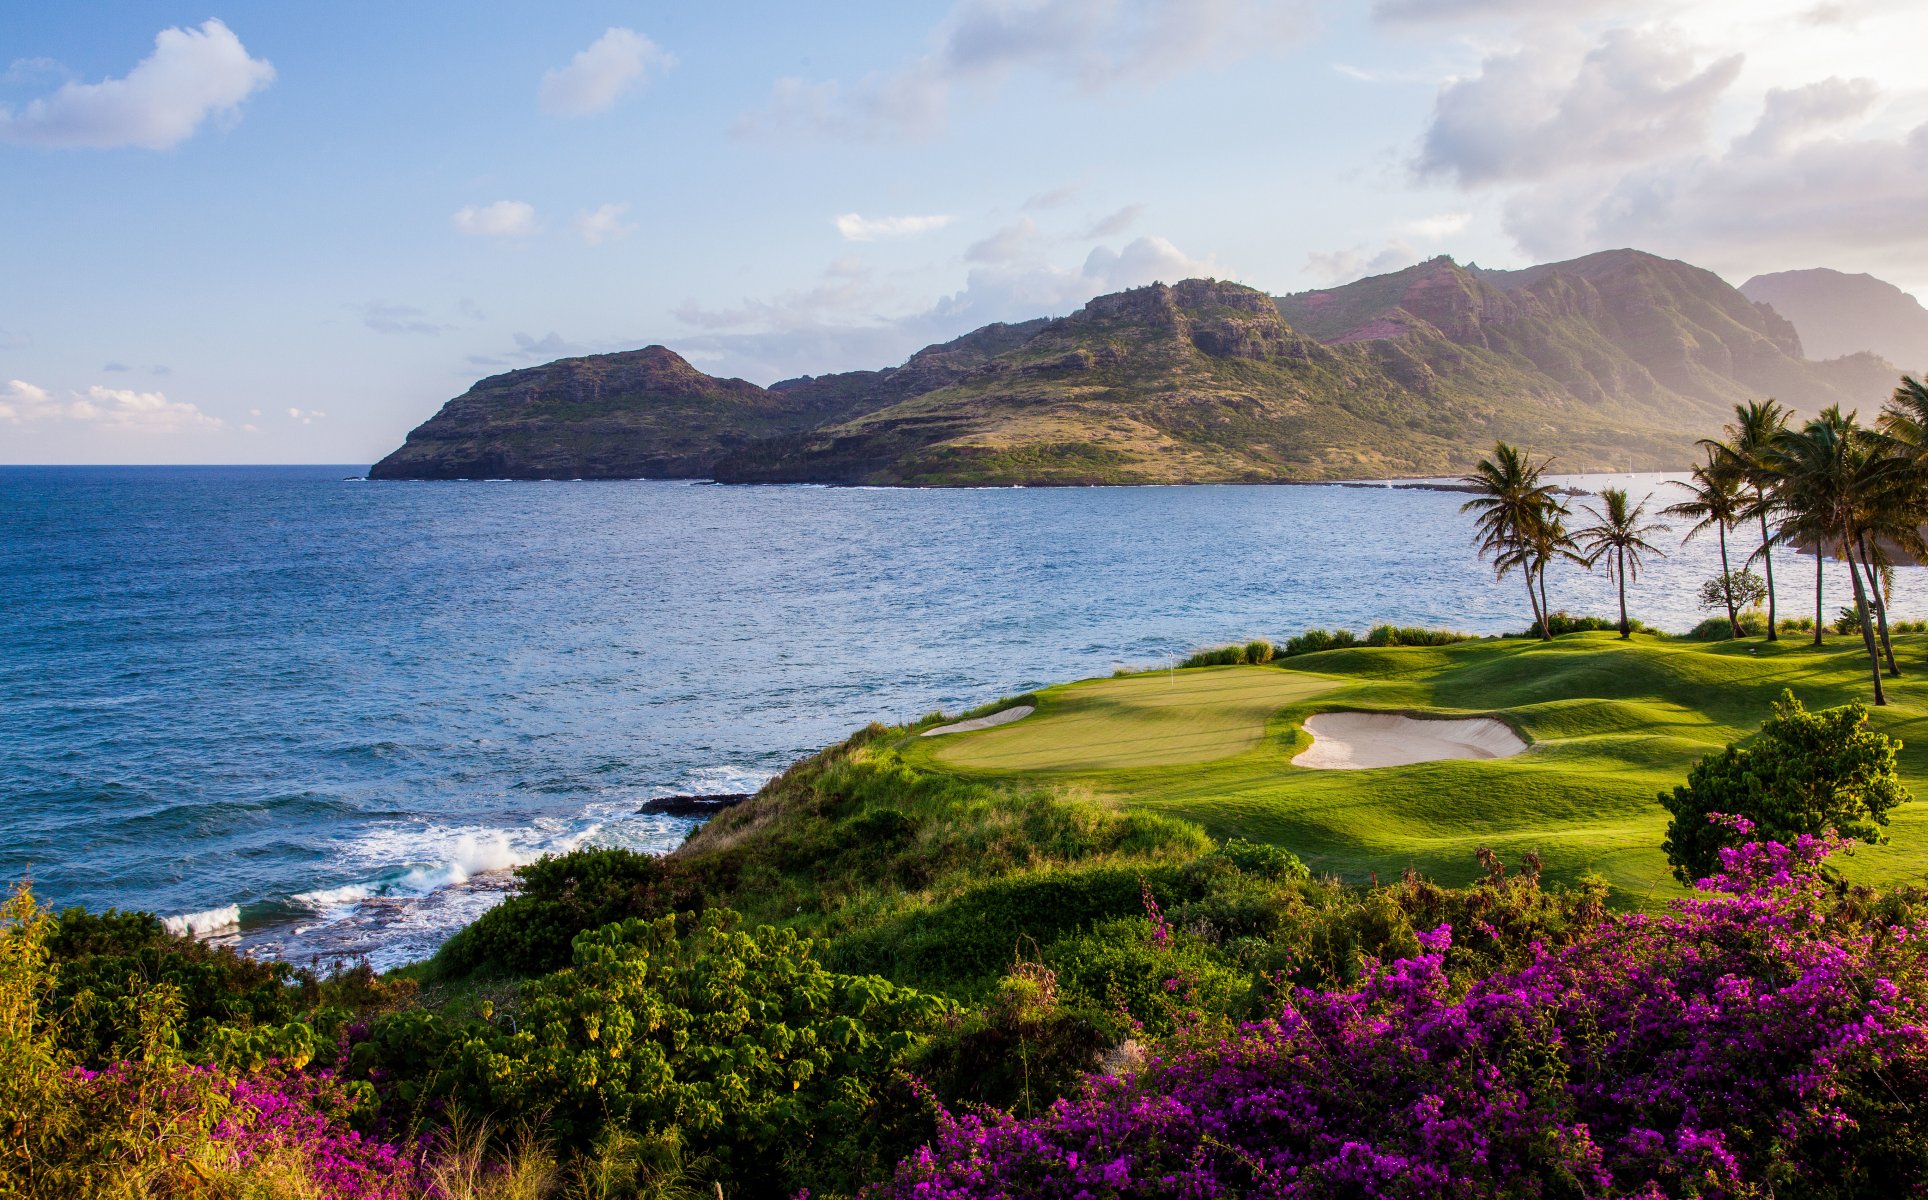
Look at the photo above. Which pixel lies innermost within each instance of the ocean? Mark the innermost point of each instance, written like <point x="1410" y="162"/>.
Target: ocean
<point x="320" y="717"/>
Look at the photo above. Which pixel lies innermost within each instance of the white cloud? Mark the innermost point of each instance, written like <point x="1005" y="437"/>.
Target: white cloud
<point x="398" y="319"/>
<point x="1439" y="225"/>
<point x="1013" y="241"/>
<point x="850" y="320"/>
<point x="602" y="224"/>
<point x="1429" y="11"/>
<point x="504" y="218"/>
<point x="193" y="74"/>
<point x="1533" y="113"/>
<point x="1332" y="267"/>
<point x="22" y="401"/>
<point x="1094" y="44"/>
<point x="615" y="63"/>
<point x="305" y="416"/>
<point x="1790" y="114"/>
<point x="129" y="411"/>
<point x="1116" y="223"/>
<point x="856" y="228"/>
<point x="530" y="349"/>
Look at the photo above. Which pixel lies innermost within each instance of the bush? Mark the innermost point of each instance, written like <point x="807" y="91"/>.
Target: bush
<point x="1223" y="656"/>
<point x="1312" y="641"/>
<point x="1753" y="624"/>
<point x="1259" y="652"/>
<point x="1562" y="622"/>
<point x="1754" y="1044"/>
<point x="1848" y="620"/>
<point x="1734" y="589"/>
<point x="769" y="1066"/>
<point x="1402" y="635"/>
<point x="558" y="897"/>
<point x="1805" y="774"/>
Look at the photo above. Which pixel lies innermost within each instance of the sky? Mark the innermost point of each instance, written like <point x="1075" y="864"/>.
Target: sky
<point x="269" y="233"/>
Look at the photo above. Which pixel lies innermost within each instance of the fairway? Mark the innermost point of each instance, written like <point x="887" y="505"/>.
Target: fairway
<point x="1612" y="724"/>
<point x="1159" y="719"/>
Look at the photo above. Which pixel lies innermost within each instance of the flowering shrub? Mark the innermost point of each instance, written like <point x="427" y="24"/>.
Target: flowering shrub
<point x="1758" y="1042"/>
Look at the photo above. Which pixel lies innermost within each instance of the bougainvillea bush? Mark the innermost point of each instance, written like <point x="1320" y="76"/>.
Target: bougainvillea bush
<point x="1767" y="1040"/>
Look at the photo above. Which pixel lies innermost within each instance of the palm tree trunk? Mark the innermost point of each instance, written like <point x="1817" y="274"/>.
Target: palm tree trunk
<point x="1626" y="630"/>
<point x="1820" y="559"/>
<point x="1767" y="565"/>
<point x="1546" y="614"/>
<point x="1533" y="602"/>
<point x="1867" y="629"/>
<point x="1880" y="612"/>
<point x="1727" y="581"/>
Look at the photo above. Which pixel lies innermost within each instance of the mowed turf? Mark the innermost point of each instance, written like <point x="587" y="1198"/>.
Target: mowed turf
<point x="1612" y="724"/>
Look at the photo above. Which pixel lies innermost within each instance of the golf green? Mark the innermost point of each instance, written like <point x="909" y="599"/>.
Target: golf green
<point x="1612" y="724"/>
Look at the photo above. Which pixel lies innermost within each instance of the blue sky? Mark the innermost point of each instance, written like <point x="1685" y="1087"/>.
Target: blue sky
<point x="287" y="233"/>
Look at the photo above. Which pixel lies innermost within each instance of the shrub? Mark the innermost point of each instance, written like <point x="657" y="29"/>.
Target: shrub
<point x="1753" y="624"/>
<point x="1403" y="635"/>
<point x="1848" y="620"/>
<point x="1312" y="641"/>
<point x="1258" y="652"/>
<point x="559" y="896"/>
<point x="1562" y="622"/>
<point x="1805" y="774"/>
<point x="1223" y="656"/>
<point x="768" y="1065"/>
<point x="1751" y="1044"/>
<point x="1734" y="589"/>
<point x="108" y="964"/>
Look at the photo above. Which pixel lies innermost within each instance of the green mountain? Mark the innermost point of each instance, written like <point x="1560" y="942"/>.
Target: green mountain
<point x="1418" y="372"/>
<point x="1840" y="314"/>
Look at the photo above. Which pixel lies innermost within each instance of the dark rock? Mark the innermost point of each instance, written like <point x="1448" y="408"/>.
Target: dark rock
<point x="694" y="806"/>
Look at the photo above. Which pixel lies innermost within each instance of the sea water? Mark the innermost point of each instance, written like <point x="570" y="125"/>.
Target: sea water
<point x="320" y="716"/>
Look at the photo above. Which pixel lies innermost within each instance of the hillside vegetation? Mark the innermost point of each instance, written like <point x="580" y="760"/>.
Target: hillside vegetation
<point x="1414" y="373"/>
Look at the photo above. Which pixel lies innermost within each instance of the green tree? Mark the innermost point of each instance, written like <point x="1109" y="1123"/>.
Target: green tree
<point x="1516" y="510"/>
<point x="1713" y="502"/>
<point x="1619" y="534"/>
<point x="1806" y="773"/>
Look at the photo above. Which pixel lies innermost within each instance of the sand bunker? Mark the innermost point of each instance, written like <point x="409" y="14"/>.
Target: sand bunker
<point x="1350" y="741"/>
<point x="995" y="719"/>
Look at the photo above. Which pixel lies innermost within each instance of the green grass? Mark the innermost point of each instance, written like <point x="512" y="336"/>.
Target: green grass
<point x="1612" y="725"/>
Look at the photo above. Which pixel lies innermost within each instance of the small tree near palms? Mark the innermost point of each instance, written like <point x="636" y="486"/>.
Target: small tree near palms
<point x="1618" y="535"/>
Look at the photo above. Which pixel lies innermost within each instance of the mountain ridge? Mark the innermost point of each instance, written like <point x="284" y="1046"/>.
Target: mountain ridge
<point x="1414" y="372"/>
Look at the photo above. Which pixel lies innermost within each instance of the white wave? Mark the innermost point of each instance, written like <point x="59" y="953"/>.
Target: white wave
<point x="335" y="897"/>
<point x="201" y="924"/>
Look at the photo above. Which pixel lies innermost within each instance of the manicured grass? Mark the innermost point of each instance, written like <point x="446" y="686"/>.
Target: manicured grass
<point x="1612" y="725"/>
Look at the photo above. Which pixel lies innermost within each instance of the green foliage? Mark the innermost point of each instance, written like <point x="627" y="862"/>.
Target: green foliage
<point x="1733" y="589"/>
<point x="1314" y="640"/>
<point x="1258" y="652"/>
<point x="1848" y="620"/>
<point x="768" y="1065"/>
<point x="108" y="964"/>
<point x="1407" y="635"/>
<point x="559" y="896"/>
<point x="1222" y="656"/>
<point x="1563" y="622"/>
<point x="1119" y="965"/>
<point x="1753" y="623"/>
<point x="1805" y="773"/>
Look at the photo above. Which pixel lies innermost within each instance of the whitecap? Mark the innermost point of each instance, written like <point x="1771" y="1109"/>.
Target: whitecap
<point x="201" y="924"/>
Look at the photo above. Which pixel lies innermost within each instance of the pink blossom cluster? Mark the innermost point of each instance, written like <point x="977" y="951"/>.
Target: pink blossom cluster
<point x="1759" y="1041"/>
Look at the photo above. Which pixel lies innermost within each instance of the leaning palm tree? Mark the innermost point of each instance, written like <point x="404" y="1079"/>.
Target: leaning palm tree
<point x="1619" y="535"/>
<point x="1546" y="542"/>
<point x="1513" y="503"/>
<point x="1747" y="449"/>
<point x="1714" y="501"/>
<point x="1838" y="480"/>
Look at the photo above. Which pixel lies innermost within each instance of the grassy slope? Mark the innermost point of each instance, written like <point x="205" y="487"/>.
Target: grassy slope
<point x="1612" y="723"/>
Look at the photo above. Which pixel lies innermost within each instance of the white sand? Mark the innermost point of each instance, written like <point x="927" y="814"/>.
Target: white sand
<point x="1350" y="741"/>
<point x="995" y="719"/>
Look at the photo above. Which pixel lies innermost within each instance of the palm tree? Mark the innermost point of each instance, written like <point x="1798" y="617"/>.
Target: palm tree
<point x="1714" y="501"/>
<point x="1619" y="536"/>
<point x="1749" y="442"/>
<point x="1838" y="481"/>
<point x="1547" y="541"/>
<point x="1513" y="504"/>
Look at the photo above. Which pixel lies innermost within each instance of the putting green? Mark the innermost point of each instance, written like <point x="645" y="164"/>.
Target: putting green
<point x="1613" y="723"/>
<point x="1159" y="719"/>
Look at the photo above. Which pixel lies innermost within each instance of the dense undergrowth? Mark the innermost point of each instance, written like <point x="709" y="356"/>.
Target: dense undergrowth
<point x="876" y="972"/>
